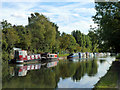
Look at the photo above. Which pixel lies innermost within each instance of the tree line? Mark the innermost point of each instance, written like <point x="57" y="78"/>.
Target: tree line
<point x="42" y="35"/>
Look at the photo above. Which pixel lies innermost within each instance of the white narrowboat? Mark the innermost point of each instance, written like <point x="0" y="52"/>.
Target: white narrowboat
<point x="20" y="56"/>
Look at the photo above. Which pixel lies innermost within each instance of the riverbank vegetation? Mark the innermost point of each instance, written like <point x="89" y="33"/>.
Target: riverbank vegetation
<point x="62" y="55"/>
<point x="118" y="56"/>
<point x="110" y="80"/>
<point x="108" y="19"/>
<point x="42" y="35"/>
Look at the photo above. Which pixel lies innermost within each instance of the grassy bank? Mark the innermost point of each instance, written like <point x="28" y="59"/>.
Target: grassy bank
<point x="63" y="55"/>
<point x="111" y="78"/>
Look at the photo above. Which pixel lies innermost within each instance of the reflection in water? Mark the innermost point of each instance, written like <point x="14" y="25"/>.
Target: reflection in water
<point x="21" y="69"/>
<point x="80" y="74"/>
<point x="89" y="67"/>
<point x="102" y="61"/>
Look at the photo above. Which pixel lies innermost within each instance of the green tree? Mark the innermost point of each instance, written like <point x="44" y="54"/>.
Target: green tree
<point x="72" y="45"/>
<point x="24" y="36"/>
<point x="108" y="18"/>
<point x="94" y="39"/>
<point x="43" y="32"/>
<point x="84" y="41"/>
<point x="64" y="41"/>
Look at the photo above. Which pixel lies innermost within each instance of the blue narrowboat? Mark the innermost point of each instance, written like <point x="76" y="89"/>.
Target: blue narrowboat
<point x="75" y="55"/>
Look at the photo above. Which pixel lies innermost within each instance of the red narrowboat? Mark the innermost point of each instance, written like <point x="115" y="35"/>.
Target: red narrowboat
<point x="21" y="56"/>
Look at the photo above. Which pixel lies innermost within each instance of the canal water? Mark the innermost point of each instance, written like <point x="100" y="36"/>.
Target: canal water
<point x="74" y="73"/>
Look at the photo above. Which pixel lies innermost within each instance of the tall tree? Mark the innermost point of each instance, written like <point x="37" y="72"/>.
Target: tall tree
<point x="108" y="18"/>
<point x="43" y="32"/>
<point x="94" y="39"/>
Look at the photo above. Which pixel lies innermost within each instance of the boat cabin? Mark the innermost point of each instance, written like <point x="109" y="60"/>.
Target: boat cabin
<point x="48" y="56"/>
<point x="22" y="56"/>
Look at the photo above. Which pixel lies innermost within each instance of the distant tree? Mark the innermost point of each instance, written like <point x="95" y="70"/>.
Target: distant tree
<point x="72" y="45"/>
<point x="78" y="36"/>
<point x="64" y="41"/>
<point x="83" y="41"/>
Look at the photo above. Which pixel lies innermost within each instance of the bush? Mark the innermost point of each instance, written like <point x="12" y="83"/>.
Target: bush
<point x="118" y="56"/>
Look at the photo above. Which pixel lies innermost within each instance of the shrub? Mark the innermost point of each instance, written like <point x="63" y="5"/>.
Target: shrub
<point x="118" y="56"/>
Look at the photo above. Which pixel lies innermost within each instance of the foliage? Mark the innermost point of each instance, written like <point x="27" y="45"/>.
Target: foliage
<point x="62" y="55"/>
<point x="111" y="78"/>
<point x="42" y="35"/>
<point x="83" y="41"/>
<point x="43" y="32"/>
<point x="108" y="18"/>
<point x="94" y="39"/>
<point x="118" y="56"/>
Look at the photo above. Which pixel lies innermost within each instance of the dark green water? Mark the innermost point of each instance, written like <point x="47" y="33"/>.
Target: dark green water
<point x="57" y="74"/>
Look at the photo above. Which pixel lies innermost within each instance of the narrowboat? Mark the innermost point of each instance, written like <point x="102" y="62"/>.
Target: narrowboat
<point x="91" y="55"/>
<point x="83" y="55"/>
<point x="108" y="54"/>
<point x="87" y="54"/>
<point x="48" y="56"/>
<point x="21" y="56"/>
<point x="73" y="55"/>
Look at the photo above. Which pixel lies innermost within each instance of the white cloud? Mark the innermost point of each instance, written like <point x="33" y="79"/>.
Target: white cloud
<point x="19" y="15"/>
<point x="90" y="11"/>
<point x="69" y="21"/>
<point x="16" y="15"/>
<point x="83" y="26"/>
<point x="48" y="1"/>
<point x="69" y="17"/>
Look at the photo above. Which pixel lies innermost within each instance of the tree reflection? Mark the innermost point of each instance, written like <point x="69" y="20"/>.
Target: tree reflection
<point x="49" y="77"/>
<point x="111" y="78"/>
<point x="87" y="67"/>
<point x="102" y="61"/>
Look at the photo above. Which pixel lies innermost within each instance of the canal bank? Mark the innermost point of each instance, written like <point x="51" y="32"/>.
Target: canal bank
<point x="111" y="78"/>
<point x="62" y="56"/>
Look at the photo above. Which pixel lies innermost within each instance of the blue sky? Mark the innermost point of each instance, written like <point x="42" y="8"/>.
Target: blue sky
<point x="68" y="16"/>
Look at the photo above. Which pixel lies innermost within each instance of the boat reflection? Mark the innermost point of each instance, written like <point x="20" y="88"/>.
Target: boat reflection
<point x="22" y="69"/>
<point x="52" y="64"/>
<point x="79" y="59"/>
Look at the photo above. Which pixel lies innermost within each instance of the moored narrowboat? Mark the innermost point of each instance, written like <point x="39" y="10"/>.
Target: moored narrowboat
<point x="73" y="55"/>
<point x="20" y="56"/>
<point x="48" y="56"/>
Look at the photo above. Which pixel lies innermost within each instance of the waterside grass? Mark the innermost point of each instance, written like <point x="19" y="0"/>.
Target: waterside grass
<point x="111" y="77"/>
<point x="63" y="55"/>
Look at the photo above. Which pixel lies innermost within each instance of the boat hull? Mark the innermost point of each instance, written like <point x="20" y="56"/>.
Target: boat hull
<point x="28" y="61"/>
